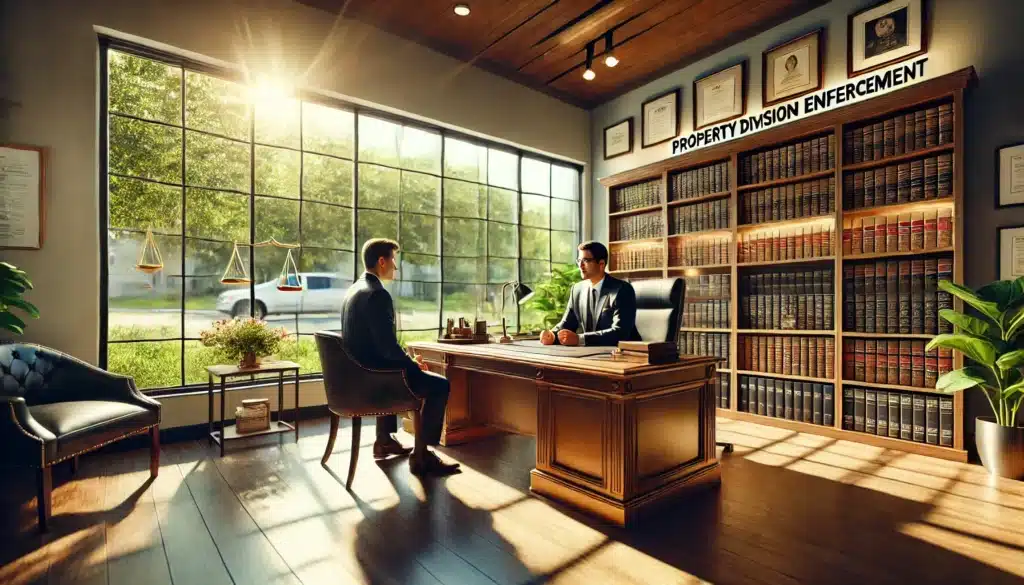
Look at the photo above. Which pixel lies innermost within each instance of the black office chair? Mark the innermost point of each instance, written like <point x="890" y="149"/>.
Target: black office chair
<point x="659" y="310"/>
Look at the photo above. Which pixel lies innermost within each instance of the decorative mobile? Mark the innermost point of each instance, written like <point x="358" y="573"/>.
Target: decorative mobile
<point x="288" y="281"/>
<point x="235" y="273"/>
<point x="150" y="260"/>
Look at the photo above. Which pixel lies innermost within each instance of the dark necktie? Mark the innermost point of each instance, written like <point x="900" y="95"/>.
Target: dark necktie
<point x="591" y="309"/>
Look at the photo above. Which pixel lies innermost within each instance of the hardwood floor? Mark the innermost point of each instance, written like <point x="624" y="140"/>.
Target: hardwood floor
<point x="793" y="508"/>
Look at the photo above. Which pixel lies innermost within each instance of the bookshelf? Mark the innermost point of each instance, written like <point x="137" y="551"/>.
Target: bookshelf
<point x="778" y="211"/>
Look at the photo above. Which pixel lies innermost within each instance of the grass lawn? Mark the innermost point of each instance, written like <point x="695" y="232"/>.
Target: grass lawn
<point x="197" y="303"/>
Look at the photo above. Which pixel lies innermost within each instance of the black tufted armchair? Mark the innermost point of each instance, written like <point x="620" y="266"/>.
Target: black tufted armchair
<point x="56" y="407"/>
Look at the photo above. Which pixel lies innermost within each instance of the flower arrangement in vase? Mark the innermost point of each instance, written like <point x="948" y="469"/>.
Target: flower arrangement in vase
<point x="246" y="340"/>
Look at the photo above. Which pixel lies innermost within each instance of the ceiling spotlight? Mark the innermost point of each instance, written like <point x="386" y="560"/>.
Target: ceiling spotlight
<point x="462" y="9"/>
<point x="588" y="73"/>
<point x="610" y="59"/>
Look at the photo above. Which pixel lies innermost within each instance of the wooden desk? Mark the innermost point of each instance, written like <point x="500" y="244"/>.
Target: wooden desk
<point x="614" y="438"/>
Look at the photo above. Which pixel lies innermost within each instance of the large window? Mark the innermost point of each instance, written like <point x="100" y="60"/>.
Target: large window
<point x="210" y="165"/>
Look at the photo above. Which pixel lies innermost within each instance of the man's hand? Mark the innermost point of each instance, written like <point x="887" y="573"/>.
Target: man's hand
<point x="566" y="337"/>
<point x="547" y="337"/>
<point x="419" y="362"/>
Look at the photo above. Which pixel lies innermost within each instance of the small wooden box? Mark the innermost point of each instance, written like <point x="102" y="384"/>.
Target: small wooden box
<point x="253" y="415"/>
<point x="656" y="352"/>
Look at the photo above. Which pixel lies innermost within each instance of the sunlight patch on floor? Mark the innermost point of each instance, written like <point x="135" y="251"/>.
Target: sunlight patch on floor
<point x="1003" y="556"/>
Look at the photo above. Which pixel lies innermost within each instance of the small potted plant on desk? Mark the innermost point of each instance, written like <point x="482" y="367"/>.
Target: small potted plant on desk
<point x="993" y="342"/>
<point x="246" y="340"/>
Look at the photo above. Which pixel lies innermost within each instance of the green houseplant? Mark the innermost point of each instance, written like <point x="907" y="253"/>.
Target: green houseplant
<point x="13" y="284"/>
<point x="246" y="339"/>
<point x="993" y="342"/>
<point x="550" y="298"/>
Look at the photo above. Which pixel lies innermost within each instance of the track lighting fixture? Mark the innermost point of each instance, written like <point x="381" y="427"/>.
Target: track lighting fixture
<point x="609" y="56"/>
<point x="588" y="73"/>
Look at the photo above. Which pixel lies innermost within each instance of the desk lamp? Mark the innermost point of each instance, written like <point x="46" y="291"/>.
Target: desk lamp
<point x="521" y="293"/>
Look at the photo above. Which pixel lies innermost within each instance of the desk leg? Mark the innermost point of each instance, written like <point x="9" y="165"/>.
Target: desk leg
<point x="223" y="399"/>
<point x="280" y="403"/>
<point x="296" y="406"/>
<point x="209" y="421"/>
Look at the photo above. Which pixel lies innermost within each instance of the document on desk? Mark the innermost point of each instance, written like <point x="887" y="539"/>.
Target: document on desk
<point x="558" y="350"/>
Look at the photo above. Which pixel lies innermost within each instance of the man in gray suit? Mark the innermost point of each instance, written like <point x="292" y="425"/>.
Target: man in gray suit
<point x="602" y="305"/>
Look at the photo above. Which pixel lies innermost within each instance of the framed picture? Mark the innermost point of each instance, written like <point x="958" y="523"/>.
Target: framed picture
<point x="659" y="118"/>
<point x="1010" y="175"/>
<point x="618" y="139"/>
<point x="22" y="185"/>
<point x="792" y="69"/>
<point x="884" y="34"/>
<point x="720" y="96"/>
<point x="1010" y="247"/>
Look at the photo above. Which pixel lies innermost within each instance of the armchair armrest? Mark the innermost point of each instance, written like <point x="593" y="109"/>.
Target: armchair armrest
<point x="23" y="438"/>
<point x="78" y="380"/>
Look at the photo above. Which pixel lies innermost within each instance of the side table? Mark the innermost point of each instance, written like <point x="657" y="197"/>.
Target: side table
<point x="223" y="434"/>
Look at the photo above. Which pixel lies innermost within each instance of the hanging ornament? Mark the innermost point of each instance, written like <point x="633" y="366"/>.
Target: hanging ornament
<point x="150" y="260"/>
<point x="235" y="272"/>
<point x="289" y="279"/>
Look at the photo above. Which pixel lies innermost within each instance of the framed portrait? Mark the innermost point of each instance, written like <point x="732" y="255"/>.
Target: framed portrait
<point x="618" y="139"/>
<point x="720" y="96"/>
<point x="792" y="69"/>
<point x="884" y="34"/>
<point x="1011" y="252"/>
<point x="659" y="118"/>
<point x="1010" y="175"/>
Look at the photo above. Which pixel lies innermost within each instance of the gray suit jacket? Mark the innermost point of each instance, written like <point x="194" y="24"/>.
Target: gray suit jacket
<point x="616" y="313"/>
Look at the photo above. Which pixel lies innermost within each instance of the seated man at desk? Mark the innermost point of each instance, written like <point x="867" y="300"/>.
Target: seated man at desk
<point x="603" y="305"/>
<point x="368" y="327"/>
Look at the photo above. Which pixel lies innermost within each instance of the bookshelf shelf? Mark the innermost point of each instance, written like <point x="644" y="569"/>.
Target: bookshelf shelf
<point x="787" y="181"/>
<point x="704" y="267"/>
<point x="785" y="262"/>
<point x="785" y="332"/>
<point x="793" y="425"/>
<point x="894" y="387"/>
<point x="724" y="370"/>
<point x="786" y="376"/>
<point x="635" y="211"/>
<point x="888" y="335"/>
<point x="705" y="233"/>
<point x="898" y="208"/>
<point x="785" y="222"/>
<point x="638" y="241"/>
<point x="637" y="270"/>
<point x="705" y="330"/>
<point x="877" y="255"/>
<point x="691" y="200"/>
<point x="884" y="162"/>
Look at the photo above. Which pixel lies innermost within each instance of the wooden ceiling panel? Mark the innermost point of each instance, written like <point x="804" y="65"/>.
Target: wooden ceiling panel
<point x="542" y="43"/>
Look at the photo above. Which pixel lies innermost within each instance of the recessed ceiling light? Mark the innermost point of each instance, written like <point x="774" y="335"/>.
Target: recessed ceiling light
<point x="462" y="9"/>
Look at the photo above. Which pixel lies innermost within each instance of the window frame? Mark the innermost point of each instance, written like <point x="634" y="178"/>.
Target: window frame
<point x="302" y="95"/>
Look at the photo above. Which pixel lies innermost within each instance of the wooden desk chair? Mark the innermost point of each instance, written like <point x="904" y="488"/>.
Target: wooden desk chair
<point x="659" y="311"/>
<point x="355" y="391"/>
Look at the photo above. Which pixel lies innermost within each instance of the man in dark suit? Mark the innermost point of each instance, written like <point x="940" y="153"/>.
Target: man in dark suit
<point x="604" y="306"/>
<point x="368" y="328"/>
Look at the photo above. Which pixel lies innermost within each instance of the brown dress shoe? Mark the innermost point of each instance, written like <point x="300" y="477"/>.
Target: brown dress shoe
<point x="382" y="449"/>
<point x="430" y="464"/>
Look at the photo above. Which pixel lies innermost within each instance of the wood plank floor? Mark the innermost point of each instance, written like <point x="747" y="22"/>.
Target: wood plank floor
<point x="793" y="508"/>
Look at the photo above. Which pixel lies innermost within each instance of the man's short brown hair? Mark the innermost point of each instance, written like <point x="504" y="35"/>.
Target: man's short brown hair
<point x="376" y="248"/>
<point x="596" y="249"/>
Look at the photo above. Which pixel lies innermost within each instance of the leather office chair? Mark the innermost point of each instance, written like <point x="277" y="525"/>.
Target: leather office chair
<point x="659" y="311"/>
<point x="58" y="407"/>
<point x="355" y="391"/>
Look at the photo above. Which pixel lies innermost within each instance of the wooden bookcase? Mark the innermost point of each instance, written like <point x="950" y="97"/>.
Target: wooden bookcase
<point x="657" y="206"/>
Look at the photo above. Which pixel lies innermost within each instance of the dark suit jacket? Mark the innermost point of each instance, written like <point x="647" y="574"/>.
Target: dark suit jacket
<point x="368" y="326"/>
<point x="616" y="312"/>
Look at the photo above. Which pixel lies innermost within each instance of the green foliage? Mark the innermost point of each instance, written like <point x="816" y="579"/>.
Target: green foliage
<point x="992" y="341"/>
<point x="237" y="337"/>
<point x="550" y="298"/>
<point x="13" y="284"/>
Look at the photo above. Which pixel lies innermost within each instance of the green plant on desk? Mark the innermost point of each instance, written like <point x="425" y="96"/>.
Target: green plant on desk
<point x="551" y="297"/>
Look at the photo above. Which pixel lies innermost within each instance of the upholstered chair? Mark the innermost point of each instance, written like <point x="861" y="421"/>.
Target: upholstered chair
<point x="355" y="391"/>
<point x="56" y="407"/>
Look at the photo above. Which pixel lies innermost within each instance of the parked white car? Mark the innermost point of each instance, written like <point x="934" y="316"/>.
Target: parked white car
<point x="322" y="292"/>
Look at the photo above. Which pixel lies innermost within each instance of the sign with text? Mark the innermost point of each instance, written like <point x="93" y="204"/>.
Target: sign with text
<point x="815" y="103"/>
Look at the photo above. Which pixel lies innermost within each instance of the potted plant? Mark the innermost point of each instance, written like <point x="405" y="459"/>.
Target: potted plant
<point x="13" y="284"/>
<point x="993" y="343"/>
<point x="246" y="340"/>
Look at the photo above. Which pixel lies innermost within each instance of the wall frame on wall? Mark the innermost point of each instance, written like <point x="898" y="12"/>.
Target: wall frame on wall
<point x="618" y="138"/>
<point x="720" y="96"/>
<point x="22" y="188"/>
<point x="793" y="68"/>
<point x="659" y="118"/>
<point x="1010" y="175"/>
<point x="883" y="34"/>
<point x="1010" y="252"/>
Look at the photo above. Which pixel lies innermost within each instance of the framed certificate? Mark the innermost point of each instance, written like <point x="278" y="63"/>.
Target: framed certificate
<point x="659" y="118"/>
<point x="1011" y="252"/>
<point x="792" y="69"/>
<point x="1010" y="175"/>
<point x="618" y="139"/>
<point x="884" y="34"/>
<point x="720" y="96"/>
<point x="21" y="196"/>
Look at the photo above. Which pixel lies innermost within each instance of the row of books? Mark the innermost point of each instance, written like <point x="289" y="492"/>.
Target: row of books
<point x="637" y="257"/>
<point x="709" y="314"/>
<point x="902" y="134"/>
<point x="901" y="362"/>
<point x="699" y="182"/>
<point x="918" y="180"/>
<point x="708" y="285"/>
<point x="788" y="282"/>
<point x="712" y="344"/>
<point x="790" y="355"/>
<point x="721" y="384"/>
<point x="897" y="296"/>
<point x="699" y="252"/>
<point x="637" y="227"/>
<point x="807" y="199"/>
<point x="789" y="300"/>
<point x="801" y="158"/>
<point x="635" y="196"/>
<point x="809" y="402"/>
<point x="900" y="415"/>
<point x="905" y="232"/>
<point x="791" y="243"/>
<point x="710" y="215"/>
